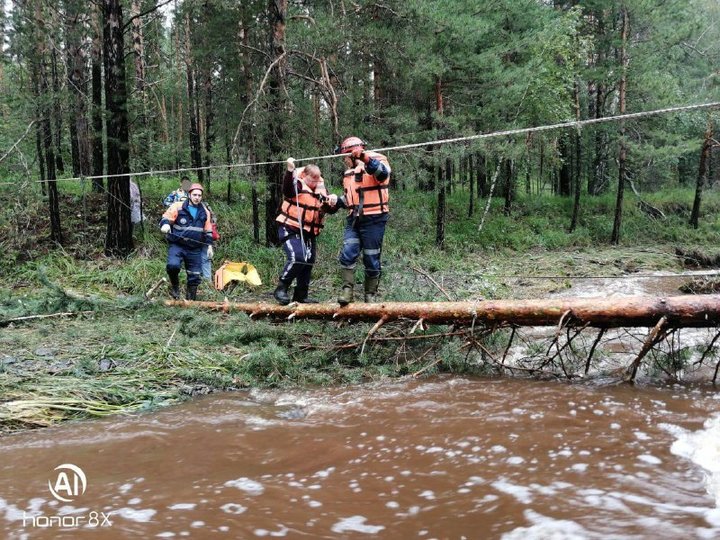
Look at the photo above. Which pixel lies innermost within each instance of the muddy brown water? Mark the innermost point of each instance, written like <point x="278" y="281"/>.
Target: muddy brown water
<point x="445" y="457"/>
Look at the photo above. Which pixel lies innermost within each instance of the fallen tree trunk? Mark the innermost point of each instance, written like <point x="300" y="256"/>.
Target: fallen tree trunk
<point x="699" y="311"/>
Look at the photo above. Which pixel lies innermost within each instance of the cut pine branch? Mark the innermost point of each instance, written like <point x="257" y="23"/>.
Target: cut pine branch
<point x="697" y="311"/>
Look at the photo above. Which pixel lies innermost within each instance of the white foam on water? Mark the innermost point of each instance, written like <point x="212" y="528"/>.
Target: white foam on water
<point x="652" y="460"/>
<point x="264" y="532"/>
<point x="356" y="524"/>
<point x="521" y="493"/>
<point x="248" y="486"/>
<point x="428" y="494"/>
<point x="12" y="512"/>
<point x="139" y="516"/>
<point x="182" y="506"/>
<point x="66" y="510"/>
<point x="702" y="447"/>
<point x="547" y="528"/>
<point x="233" y="508"/>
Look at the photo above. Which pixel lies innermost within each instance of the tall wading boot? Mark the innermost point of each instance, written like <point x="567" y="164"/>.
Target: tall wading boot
<point x="371" y="287"/>
<point x="346" y="293"/>
<point x="300" y="295"/>
<point x="281" y="294"/>
<point x="174" y="276"/>
<point x="191" y="293"/>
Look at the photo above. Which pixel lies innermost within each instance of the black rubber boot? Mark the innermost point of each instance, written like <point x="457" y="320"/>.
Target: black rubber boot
<point x="174" y="274"/>
<point x="300" y="295"/>
<point x="281" y="294"/>
<point x="191" y="293"/>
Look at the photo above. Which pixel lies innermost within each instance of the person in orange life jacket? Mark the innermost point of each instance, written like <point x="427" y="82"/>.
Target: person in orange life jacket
<point x="300" y="221"/>
<point x="188" y="228"/>
<point x="365" y="185"/>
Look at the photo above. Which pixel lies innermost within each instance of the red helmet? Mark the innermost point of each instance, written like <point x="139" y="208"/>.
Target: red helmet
<point x="194" y="187"/>
<point x="349" y="143"/>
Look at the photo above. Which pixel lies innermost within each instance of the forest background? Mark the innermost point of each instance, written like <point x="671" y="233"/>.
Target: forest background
<point x="95" y="93"/>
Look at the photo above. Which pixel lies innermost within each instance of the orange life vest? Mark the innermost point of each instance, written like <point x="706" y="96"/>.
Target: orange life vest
<point x="305" y="208"/>
<point x="364" y="194"/>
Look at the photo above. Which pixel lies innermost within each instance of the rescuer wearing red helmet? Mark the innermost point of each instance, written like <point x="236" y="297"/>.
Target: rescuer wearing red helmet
<point x="188" y="228"/>
<point x="365" y="185"/>
<point x="300" y="221"/>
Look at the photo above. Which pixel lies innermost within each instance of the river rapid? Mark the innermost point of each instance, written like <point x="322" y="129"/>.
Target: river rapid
<point x="442" y="457"/>
<point x="445" y="457"/>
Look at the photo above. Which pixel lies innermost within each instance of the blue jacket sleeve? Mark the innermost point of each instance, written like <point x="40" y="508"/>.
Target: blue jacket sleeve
<point x="378" y="169"/>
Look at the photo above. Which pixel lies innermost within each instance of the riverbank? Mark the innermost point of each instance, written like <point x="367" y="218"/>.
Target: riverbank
<point x="117" y="352"/>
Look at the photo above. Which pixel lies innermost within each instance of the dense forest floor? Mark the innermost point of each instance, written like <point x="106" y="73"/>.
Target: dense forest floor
<point x="119" y="352"/>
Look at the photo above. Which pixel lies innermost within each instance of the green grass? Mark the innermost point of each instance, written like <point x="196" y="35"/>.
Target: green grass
<point x="125" y="354"/>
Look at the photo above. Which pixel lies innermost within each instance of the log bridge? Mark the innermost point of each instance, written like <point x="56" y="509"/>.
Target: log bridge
<point x="662" y="315"/>
<point x="696" y="311"/>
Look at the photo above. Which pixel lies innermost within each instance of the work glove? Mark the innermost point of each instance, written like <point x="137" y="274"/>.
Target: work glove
<point x="211" y="252"/>
<point x="332" y="199"/>
<point x="359" y="154"/>
<point x="290" y="164"/>
<point x="165" y="228"/>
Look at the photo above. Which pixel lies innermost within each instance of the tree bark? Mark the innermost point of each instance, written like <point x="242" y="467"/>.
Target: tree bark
<point x="244" y="35"/>
<point x="195" y="156"/>
<point x="509" y="173"/>
<point x="118" y="240"/>
<point x="209" y="121"/>
<point x="442" y="179"/>
<point x="481" y="175"/>
<point x="138" y="45"/>
<point x="98" y="154"/>
<point x="697" y="311"/>
<point x="578" y="164"/>
<point x="77" y="82"/>
<point x="57" y="113"/>
<point x="441" y="207"/>
<point x="564" y="174"/>
<point x="2" y="52"/>
<point x="622" y="157"/>
<point x="702" y="174"/>
<point x="471" y="185"/>
<point x="44" y="108"/>
<point x="276" y="107"/>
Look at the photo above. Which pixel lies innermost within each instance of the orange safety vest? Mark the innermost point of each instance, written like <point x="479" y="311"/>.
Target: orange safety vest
<point x="364" y="194"/>
<point x="305" y="207"/>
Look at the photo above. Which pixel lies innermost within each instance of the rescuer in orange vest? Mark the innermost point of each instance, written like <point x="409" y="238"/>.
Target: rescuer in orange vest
<point x="365" y="185"/>
<point x="300" y="221"/>
<point x="188" y="228"/>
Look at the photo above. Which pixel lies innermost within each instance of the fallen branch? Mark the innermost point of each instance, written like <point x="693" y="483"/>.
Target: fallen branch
<point x="27" y="130"/>
<point x="6" y="322"/>
<point x="371" y="332"/>
<point x="421" y="271"/>
<point x="592" y="349"/>
<point x="423" y="370"/>
<point x="154" y="288"/>
<point x="656" y="334"/>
